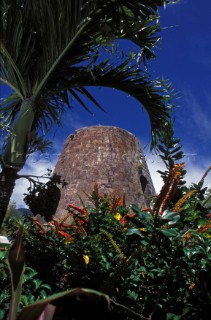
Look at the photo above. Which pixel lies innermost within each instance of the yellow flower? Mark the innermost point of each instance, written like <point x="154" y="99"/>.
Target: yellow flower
<point x="68" y="241"/>
<point x="86" y="258"/>
<point x="143" y="229"/>
<point x="206" y="235"/>
<point x="117" y="216"/>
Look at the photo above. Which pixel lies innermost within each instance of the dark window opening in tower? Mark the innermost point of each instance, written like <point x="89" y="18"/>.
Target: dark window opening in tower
<point x="144" y="182"/>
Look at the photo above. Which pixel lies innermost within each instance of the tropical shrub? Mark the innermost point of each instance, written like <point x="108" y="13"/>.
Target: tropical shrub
<point x="43" y="309"/>
<point x="33" y="287"/>
<point x="154" y="263"/>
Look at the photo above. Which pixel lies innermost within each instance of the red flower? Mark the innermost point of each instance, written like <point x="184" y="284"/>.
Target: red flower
<point x="145" y="209"/>
<point x="124" y="220"/>
<point x="80" y="210"/>
<point x="65" y="235"/>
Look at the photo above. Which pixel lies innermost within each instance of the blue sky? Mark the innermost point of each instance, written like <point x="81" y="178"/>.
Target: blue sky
<point x="183" y="57"/>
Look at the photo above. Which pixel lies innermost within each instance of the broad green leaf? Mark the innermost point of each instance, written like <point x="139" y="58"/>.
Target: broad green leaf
<point x="33" y="311"/>
<point x="168" y="232"/>
<point x="141" y="214"/>
<point x="202" y="222"/>
<point x="2" y="314"/>
<point x="194" y="251"/>
<point x="135" y="208"/>
<point x="136" y="231"/>
<point x="133" y="295"/>
<point x="16" y="267"/>
<point x="172" y="316"/>
<point x="145" y="243"/>
<point x="170" y="216"/>
<point x="3" y="254"/>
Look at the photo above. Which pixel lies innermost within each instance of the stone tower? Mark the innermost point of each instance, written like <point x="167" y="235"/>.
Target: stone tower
<point x="108" y="156"/>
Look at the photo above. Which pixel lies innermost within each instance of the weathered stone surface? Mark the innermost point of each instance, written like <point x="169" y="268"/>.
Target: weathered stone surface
<point x="108" y="156"/>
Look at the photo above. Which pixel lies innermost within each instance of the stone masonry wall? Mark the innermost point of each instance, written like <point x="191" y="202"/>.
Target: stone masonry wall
<point x="108" y="156"/>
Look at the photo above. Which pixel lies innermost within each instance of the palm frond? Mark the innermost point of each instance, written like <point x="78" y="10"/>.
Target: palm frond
<point x="50" y="47"/>
<point x="10" y="107"/>
<point x="47" y="114"/>
<point x="44" y="36"/>
<point x="17" y="47"/>
<point x="10" y="69"/>
<point x="54" y="28"/>
<point x="66" y="20"/>
<point x="153" y="95"/>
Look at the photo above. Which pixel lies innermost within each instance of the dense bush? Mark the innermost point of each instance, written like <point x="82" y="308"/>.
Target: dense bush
<point x="33" y="287"/>
<point x="153" y="263"/>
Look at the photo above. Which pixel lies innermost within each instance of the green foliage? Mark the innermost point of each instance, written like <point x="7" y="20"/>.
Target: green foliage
<point x="207" y="199"/>
<point x="11" y="211"/>
<point x="170" y="150"/>
<point x="154" y="263"/>
<point x="33" y="288"/>
<point x="43" y="308"/>
<point x="155" y="266"/>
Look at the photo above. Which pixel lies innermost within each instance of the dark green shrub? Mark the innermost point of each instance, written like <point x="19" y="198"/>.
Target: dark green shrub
<point x="33" y="288"/>
<point x="153" y="263"/>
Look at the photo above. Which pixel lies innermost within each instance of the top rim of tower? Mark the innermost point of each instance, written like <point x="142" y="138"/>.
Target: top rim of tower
<point x="101" y="126"/>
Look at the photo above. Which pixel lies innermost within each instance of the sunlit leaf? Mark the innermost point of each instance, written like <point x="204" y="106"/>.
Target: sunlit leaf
<point x="169" y="233"/>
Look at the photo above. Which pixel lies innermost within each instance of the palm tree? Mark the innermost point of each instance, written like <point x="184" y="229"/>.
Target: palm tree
<point x="49" y="51"/>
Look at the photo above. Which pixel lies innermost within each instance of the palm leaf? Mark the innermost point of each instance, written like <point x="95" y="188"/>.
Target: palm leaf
<point x="46" y="43"/>
<point x="154" y="95"/>
<point x="10" y="107"/>
<point x="54" y="28"/>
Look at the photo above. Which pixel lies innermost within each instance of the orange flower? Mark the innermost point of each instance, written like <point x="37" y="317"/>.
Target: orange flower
<point x="124" y="220"/>
<point x="169" y="188"/>
<point x="179" y="204"/>
<point x="40" y="225"/>
<point x="187" y="236"/>
<point x="192" y="286"/>
<point x="205" y="227"/>
<point x="80" y="210"/>
<point x="117" y="201"/>
<point x="65" y="235"/>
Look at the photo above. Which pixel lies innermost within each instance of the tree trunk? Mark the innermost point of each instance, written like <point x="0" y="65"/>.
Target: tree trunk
<point x="7" y="183"/>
